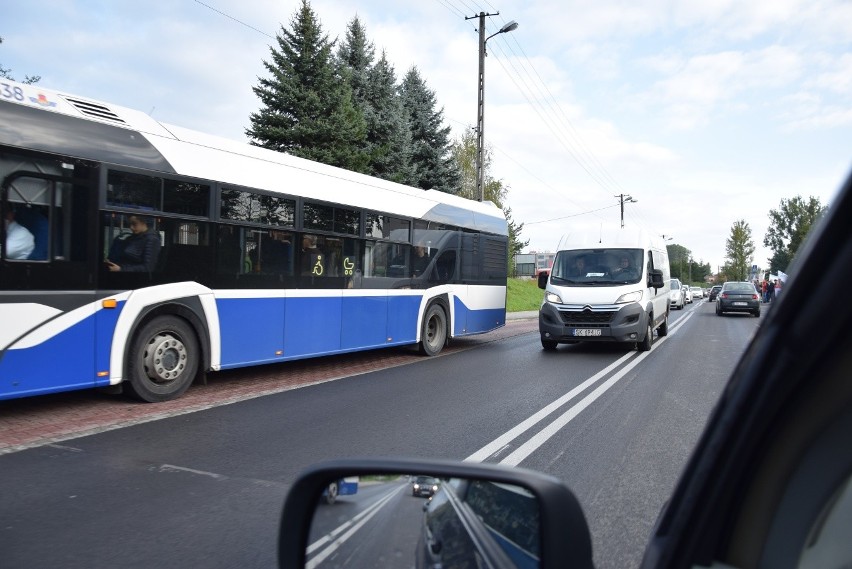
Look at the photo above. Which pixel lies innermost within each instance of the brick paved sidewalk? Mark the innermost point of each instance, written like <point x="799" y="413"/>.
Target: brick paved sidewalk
<point x="36" y="421"/>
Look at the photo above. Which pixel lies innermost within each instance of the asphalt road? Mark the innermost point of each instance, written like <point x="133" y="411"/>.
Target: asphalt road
<point x="206" y="488"/>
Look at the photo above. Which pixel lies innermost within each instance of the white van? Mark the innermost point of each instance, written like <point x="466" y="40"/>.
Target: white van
<point x="606" y="288"/>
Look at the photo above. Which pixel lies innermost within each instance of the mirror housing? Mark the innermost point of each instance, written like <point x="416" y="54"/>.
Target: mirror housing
<point x="656" y="278"/>
<point x="565" y="537"/>
<point x="542" y="279"/>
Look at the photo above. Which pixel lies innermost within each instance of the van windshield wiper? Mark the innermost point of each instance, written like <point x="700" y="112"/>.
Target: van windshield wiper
<point x="561" y="280"/>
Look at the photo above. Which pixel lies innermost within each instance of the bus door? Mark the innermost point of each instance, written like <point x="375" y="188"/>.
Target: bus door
<point x="47" y="286"/>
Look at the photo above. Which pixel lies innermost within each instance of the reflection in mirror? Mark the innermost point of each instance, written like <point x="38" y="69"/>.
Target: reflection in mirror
<point x="423" y="521"/>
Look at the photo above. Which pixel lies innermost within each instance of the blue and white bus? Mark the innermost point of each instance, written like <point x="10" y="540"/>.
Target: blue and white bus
<point x="232" y="282"/>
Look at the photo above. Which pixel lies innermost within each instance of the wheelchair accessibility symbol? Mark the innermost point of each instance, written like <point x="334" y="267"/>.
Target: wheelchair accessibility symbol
<point x="348" y="266"/>
<point x="318" y="270"/>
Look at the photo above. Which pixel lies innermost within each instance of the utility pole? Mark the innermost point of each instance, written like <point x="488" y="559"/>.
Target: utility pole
<point x="480" y="103"/>
<point x="624" y="199"/>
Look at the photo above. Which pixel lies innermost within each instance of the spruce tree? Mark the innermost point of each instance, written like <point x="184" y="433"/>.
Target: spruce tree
<point x="388" y="133"/>
<point x="307" y="105"/>
<point x="434" y="167"/>
<point x="356" y="54"/>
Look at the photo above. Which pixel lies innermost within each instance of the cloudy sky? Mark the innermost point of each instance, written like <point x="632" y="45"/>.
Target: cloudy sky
<point x="704" y="112"/>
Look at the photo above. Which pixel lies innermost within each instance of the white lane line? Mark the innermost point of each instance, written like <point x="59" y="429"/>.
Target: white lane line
<point x="546" y="433"/>
<point x="172" y="468"/>
<point x="498" y="445"/>
<point x="510" y="435"/>
<point x="334" y="542"/>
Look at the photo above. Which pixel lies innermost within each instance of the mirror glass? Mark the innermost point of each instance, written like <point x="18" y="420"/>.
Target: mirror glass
<point x="423" y="521"/>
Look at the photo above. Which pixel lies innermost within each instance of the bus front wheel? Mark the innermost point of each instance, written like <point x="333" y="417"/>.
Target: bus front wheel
<point x="434" y="333"/>
<point x="163" y="359"/>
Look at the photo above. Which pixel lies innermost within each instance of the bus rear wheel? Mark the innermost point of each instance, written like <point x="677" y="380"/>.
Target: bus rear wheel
<point x="434" y="333"/>
<point x="163" y="359"/>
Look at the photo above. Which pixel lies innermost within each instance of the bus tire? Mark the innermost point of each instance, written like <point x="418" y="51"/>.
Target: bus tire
<point x="163" y="359"/>
<point x="433" y="336"/>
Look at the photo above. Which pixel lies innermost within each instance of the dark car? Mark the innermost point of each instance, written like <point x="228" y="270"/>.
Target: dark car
<point x="737" y="296"/>
<point x="424" y="486"/>
<point x="478" y="523"/>
<point x="714" y="292"/>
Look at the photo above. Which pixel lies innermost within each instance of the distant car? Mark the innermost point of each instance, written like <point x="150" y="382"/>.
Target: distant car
<point x="424" y="486"/>
<point x="676" y="298"/>
<point x="714" y="292"/>
<point x="687" y="294"/>
<point x="738" y="297"/>
<point x="696" y="292"/>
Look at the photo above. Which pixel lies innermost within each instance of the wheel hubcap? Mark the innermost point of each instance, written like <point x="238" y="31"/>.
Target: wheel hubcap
<point x="165" y="358"/>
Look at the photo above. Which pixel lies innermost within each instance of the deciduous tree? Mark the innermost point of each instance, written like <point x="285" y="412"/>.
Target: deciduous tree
<point x="789" y="224"/>
<point x="739" y="251"/>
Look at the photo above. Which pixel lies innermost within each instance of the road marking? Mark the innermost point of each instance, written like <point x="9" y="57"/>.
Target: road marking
<point x="334" y="542"/>
<point x="173" y="468"/>
<point x="499" y="445"/>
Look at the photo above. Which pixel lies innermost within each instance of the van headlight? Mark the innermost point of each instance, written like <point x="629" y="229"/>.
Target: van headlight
<point x="552" y="298"/>
<point x="635" y="296"/>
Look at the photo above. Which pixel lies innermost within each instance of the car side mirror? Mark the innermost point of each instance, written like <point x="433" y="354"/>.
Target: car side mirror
<point x="504" y="517"/>
<point x="656" y="278"/>
<point x="542" y="279"/>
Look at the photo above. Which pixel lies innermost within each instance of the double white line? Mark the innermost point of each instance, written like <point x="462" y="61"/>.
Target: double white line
<point x="501" y="443"/>
<point x="337" y="537"/>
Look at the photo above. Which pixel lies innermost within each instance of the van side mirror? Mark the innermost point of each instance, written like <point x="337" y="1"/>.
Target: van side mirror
<point x="542" y="279"/>
<point x="655" y="276"/>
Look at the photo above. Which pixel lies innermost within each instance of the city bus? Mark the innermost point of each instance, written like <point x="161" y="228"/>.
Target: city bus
<point x="238" y="255"/>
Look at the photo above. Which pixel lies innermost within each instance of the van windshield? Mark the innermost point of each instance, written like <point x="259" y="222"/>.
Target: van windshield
<point x="584" y="267"/>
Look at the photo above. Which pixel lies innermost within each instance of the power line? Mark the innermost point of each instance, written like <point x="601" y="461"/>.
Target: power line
<point x="234" y="19"/>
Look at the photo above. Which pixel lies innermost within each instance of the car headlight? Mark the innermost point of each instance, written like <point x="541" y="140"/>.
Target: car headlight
<point x="635" y="296"/>
<point x="551" y="297"/>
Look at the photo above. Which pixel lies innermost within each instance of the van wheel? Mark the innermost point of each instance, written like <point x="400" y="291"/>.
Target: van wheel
<point x="549" y="345"/>
<point x="646" y="342"/>
<point x="163" y="359"/>
<point x="434" y="333"/>
<point x="663" y="330"/>
<point x="331" y="493"/>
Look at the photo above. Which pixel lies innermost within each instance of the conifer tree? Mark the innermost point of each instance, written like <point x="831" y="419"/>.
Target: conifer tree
<point x="307" y="105"/>
<point x="388" y="132"/>
<point x="434" y="167"/>
<point x="375" y="94"/>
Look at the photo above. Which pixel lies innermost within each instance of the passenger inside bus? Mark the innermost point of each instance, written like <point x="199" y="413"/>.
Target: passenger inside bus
<point x="37" y="224"/>
<point x="19" y="241"/>
<point x="420" y="261"/>
<point x="137" y="251"/>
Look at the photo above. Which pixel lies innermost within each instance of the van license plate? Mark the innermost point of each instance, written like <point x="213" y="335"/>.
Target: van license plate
<point x="587" y="331"/>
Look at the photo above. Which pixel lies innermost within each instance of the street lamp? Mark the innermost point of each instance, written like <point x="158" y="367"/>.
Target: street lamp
<point x="480" y="114"/>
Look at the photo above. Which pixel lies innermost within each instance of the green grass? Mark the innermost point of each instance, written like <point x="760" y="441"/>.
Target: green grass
<point x="523" y="294"/>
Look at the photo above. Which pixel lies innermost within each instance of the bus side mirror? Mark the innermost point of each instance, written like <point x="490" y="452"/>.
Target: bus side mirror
<point x="542" y="279"/>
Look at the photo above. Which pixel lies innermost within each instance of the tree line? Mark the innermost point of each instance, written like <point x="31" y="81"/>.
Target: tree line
<point x="789" y="224"/>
